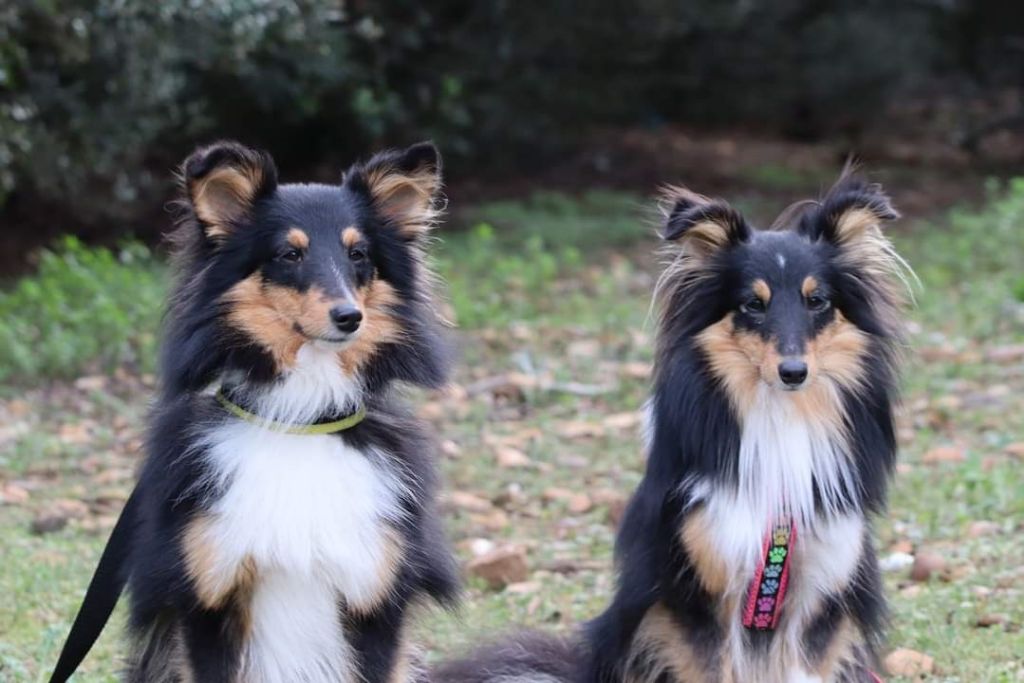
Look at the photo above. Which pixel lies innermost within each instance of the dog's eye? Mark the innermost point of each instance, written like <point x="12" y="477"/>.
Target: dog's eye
<point x="291" y="256"/>
<point x="817" y="303"/>
<point x="357" y="254"/>
<point x="753" y="305"/>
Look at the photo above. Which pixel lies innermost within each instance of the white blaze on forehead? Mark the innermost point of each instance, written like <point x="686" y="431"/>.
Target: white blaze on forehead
<point x="781" y="259"/>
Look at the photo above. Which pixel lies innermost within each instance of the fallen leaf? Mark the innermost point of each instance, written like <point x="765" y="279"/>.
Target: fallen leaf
<point x="622" y="421"/>
<point x="509" y="457"/>
<point x="578" y="429"/>
<point x="944" y="454"/>
<point x="467" y="501"/>
<point x="12" y="494"/>
<point x="908" y="663"/>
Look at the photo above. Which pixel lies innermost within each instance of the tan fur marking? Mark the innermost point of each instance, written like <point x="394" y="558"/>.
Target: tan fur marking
<point x="298" y="238"/>
<point x="659" y="647"/>
<point x="702" y="549"/>
<point x="406" y="199"/>
<point x="379" y="325"/>
<point x="740" y="360"/>
<point x="391" y="559"/>
<point x="351" y="236"/>
<point x="854" y="223"/>
<point x="840" y="651"/>
<point x="267" y="315"/>
<point x="224" y="196"/>
<point x="214" y="584"/>
<point x="762" y="290"/>
<point x="736" y="359"/>
<point x="810" y="284"/>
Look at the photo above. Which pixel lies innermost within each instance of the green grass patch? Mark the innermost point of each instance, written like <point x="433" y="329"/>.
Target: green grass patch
<point x="536" y="293"/>
<point x="85" y="309"/>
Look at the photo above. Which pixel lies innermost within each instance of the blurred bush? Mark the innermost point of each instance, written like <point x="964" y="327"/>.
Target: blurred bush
<point x="100" y="98"/>
<point x="86" y="309"/>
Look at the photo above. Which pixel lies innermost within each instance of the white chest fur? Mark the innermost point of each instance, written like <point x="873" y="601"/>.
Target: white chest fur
<point x="782" y="456"/>
<point x="309" y="514"/>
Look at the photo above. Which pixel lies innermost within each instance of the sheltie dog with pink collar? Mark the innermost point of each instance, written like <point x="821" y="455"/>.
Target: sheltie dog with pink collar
<point x="745" y="555"/>
<point x="284" y="519"/>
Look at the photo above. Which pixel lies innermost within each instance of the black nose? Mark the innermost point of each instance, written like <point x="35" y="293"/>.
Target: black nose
<point x="346" y="317"/>
<point x="793" y="372"/>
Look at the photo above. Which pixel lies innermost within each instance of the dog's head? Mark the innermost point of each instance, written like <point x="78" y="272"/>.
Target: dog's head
<point x="789" y="308"/>
<point x="270" y="268"/>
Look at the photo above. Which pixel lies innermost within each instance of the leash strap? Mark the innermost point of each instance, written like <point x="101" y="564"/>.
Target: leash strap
<point x="768" y="589"/>
<point x="100" y="598"/>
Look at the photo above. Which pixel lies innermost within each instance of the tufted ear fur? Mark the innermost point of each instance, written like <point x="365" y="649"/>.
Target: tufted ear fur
<point x="705" y="225"/>
<point x="223" y="181"/>
<point x="852" y="211"/>
<point x="402" y="186"/>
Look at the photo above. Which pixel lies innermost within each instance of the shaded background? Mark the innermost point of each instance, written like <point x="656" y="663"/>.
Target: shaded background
<point x="99" y="100"/>
<point x="558" y="121"/>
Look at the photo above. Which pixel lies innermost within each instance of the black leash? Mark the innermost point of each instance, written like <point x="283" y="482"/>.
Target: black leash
<point x="100" y="598"/>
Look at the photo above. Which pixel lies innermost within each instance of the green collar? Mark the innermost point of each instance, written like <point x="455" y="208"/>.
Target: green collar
<point x="317" y="428"/>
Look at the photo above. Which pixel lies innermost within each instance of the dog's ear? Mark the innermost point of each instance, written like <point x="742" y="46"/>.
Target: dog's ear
<point x="705" y="225"/>
<point x="223" y="181"/>
<point x="852" y="211"/>
<point x="402" y="186"/>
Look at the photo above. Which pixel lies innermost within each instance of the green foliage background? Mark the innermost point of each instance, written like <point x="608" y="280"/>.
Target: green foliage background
<point x="100" y="98"/>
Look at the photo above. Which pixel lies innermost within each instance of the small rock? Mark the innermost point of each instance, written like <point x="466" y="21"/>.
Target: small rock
<point x="894" y="562"/>
<point x="983" y="528"/>
<point x="925" y="564"/>
<point x="989" y="620"/>
<point x="48" y="523"/>
<point x="1016" y="449"/>
<point x="12" y="494"/>
<point x="580" y="503"/>
<point x="557" y="493"/>
<point x="909" y="663"/>
<point x="450" y="448"/>
<point x="509" y="457"/>
<point x="500" y="567"/>
<point x="944" y="454"/>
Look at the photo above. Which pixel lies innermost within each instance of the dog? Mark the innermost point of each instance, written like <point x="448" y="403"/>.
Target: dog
<point x="745" y="554"/>
<point x="284" y="519"/>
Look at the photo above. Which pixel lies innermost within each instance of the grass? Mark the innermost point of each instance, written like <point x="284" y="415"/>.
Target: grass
<point x="540" y="295"/>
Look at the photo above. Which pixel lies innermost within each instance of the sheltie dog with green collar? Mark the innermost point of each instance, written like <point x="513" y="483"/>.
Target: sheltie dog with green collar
<point x="745" y="555"/>
<point x="284" y="519"/>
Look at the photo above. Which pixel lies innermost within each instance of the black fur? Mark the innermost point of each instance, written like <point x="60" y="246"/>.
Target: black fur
<point x="202" y="347"/>
<point x="696" y="436"/>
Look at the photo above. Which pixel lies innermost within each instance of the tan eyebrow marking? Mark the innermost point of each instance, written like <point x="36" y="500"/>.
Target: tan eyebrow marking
<point x="298" y="238"/>
<point x="351" y="236"/>
<point x="762" y="290"/>
<point x="810" y="284"/>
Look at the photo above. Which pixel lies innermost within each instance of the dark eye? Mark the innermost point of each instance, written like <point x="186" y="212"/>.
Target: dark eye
<point x="753" y="305"/>
<point x="817" y="303"/>
<point x="291" y="256"/>
<point x="357" y="254"/>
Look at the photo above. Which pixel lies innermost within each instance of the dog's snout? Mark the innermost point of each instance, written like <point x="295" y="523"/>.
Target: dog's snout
<point x="346" y="318"/>
<point x="792" y="372"/>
